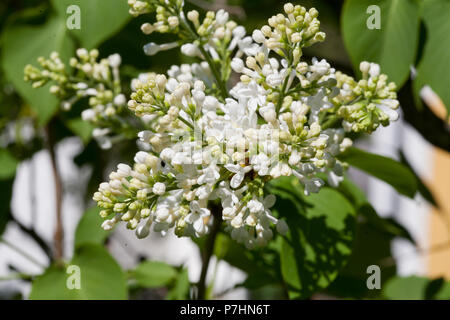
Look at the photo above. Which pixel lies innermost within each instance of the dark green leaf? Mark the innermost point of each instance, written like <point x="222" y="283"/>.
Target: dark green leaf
<point x="6" y="187"/>
<point x="258" y="264"/>
<point x="444" y="292"/>
<point x="154" y="274"/>
<point x="321" y="231"/>
<point x="421" y="187"/>
<point x="180" y="290"/>
<point x="8" y="165"/>
<point x="89" y="228"/>
<point x="383" y="168"/>
<point x="434" y="69"/>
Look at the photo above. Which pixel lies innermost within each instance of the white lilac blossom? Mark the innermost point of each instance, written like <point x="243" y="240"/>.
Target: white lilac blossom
<point x="98" y="82"/>
<point x="212" y="146"/>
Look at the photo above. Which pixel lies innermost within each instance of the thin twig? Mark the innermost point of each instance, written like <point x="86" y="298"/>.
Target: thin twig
<point x="59" y="231"/>
<point x="208" y="251"/>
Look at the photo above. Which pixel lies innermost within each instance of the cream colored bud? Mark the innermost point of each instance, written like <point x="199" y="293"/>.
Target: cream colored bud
<point x="289" y="8"/>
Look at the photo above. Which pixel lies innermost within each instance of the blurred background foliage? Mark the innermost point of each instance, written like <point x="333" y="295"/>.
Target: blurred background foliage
<point x="330" y="243"/>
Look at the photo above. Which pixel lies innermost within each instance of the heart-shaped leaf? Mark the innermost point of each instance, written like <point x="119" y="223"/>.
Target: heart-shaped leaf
<point x="100" y="278"/>
<point x="22" y="45"/>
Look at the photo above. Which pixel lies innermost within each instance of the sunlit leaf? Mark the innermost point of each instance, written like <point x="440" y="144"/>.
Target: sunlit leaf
<point x="408" y="288"/>
<point x="393" y="46"/>
<point x="99" y="19"/>
<point x="22" y="45"/>
<point x="101" y="278"/>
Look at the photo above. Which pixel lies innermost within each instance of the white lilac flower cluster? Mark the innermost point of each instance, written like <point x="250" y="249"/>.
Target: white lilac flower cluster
<point x="99" y="81"/>
<point x="209" y="145"/>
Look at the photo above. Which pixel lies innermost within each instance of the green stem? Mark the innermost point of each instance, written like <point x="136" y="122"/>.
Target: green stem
<point x="216" y="74"/>
<point x="220" y="84"/>
<point x="208" y="251"/>
<point x="283" y="91"/>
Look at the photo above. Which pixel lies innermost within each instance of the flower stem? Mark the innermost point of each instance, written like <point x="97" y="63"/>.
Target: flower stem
<point x="220" y="83"/>
<point x="208" y="251"/>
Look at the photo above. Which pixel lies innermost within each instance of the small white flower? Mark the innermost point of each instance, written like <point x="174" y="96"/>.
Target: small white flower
<point x="239" y="173"/>
<point x="159" y="188"/>
<point x="88" y="115"/>
<point x="114" y="60"/>
<point x="120" y="100"/>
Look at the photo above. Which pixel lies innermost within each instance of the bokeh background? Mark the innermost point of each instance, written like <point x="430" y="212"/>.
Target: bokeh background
<point x="410" y="241"/>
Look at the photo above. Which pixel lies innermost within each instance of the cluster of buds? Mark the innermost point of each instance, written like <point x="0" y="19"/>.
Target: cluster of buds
<point x="167" y="21"/>
<point x="138" y="7"/>
<point x="54" y="70"/>
<point x="285" y="117"/>
<point x="97" y="81"/>
<point x="210" y="147"/>
<point x="367" y="103"/>
<point x="291" y="32"/>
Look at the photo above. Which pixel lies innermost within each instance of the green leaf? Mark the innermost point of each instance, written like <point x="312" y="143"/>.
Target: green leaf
<point x="154" y="274"/>
<point x="417" y="288"/>
<point x="383" y="168"/>
<point x="89" y="228"/>
<point x="434" y="69"/>
<point x="387" y="226"/>
<point x="393" y="46"/>
<point x="99" y="19"/>
<point x="101" y="278"/>
<point x="408" y="288"/>
<point x="444" y="292"/>
<point x="180" y="290"/>
<point x="81" y="128"/>
<point x="321" y="231"/>
<point x="22" y="45"/>
<point x="8" y="165"/>
<point x="6" y="187"/>
<point x="353" y="193"/>
<point x="258" y="264"/>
